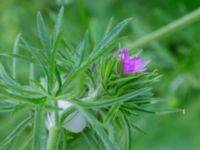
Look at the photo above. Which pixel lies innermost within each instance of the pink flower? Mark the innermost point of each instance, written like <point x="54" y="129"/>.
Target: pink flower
<point x="129" y="65"/>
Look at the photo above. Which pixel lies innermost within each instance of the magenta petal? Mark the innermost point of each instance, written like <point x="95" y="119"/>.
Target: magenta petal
<point x="138" y="63"/>
<point x="120" y="53"/>
<point x="129" y="65"/>
<point x="125" y="54"/>
<point x="135" y="64"/>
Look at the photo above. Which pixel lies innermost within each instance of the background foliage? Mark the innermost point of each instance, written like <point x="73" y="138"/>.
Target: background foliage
<point x="176" y="57"/>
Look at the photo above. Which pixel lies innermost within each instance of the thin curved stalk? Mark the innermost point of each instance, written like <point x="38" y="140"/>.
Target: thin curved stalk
<point x="166" y="30"/>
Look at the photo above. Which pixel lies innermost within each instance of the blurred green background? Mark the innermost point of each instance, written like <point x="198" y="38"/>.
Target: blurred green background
<point x="177" y="57"/>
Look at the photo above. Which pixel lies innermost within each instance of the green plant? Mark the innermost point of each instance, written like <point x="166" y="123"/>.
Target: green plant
<point x="88" y="77"/>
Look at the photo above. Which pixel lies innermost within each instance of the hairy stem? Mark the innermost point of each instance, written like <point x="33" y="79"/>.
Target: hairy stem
<point x="53" y="136"/>
<point x="166" y="30"/>
<point x="54" y="132"/>
<point x="40" y="133"/>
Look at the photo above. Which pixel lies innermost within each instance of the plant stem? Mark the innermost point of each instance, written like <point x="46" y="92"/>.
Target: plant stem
<point x="166" y="30"/>
<point x="40" y="133"/>
<point x="53" y="136"/>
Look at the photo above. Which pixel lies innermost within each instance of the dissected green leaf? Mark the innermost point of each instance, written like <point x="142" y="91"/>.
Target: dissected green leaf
<point x="38" y="55"/>
<point x="112" y="101"/>
<point x="19" y="56"/>
<point x="98" y="129"/>
<point x="128" y="132"/>
<point x="112" y="112"/>
<point x="83" y="47"/>
<point x="15" y="51"/>
<point x="109" y="26"/>
<point x="58" y="22"/>
<point x="15" y="132"/>
<point x="98" y="51"/>
<point x="43" y="35"/>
